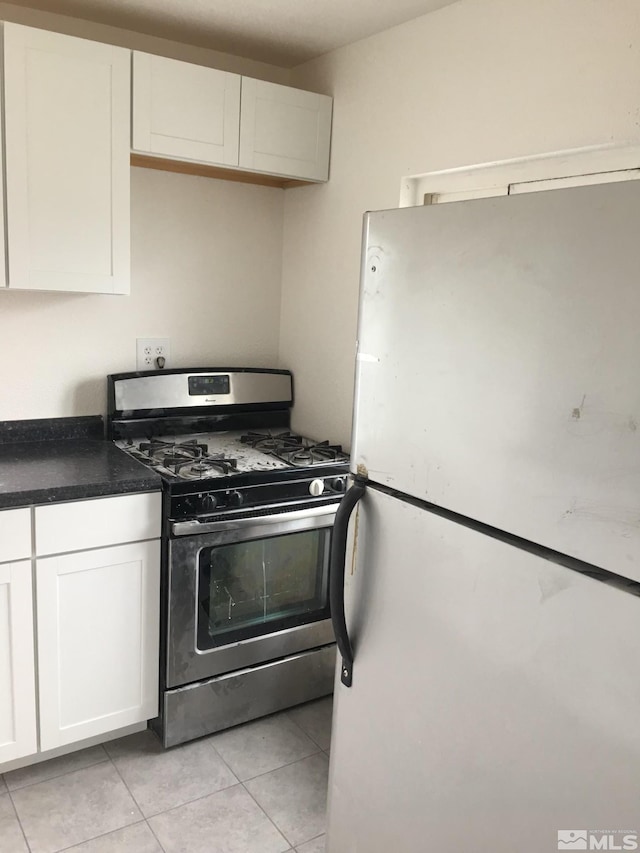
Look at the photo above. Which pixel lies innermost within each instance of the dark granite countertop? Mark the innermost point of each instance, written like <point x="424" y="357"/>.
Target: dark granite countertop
<point x="51" y="469"/>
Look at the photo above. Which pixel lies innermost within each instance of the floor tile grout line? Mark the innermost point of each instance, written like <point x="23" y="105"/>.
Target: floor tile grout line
<point x="236" y="784"/>
<point x="190" y="802"/>
<point x="15" y="811"/>
<point x="277" y="828"/>
<point x="308" y="734"/>
<point x="293" y="846"/>
<point x="282" y="766"/>
<point x="145" y="819"/>
<point x="57" y="775"/>
<point x="154" y="835"/>
<point x="95" y="837"/>
<point x="302" y="729"/>
<point x="130" y="792"/>
<point x="268" y="817"/>
<point x="117" y="828"/>
<point x="285" y="713"/>
<point x="209" y="740"/>
<point x="315" y="838"/>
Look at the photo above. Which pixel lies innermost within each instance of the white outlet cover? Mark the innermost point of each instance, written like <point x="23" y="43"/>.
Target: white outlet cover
<point x="149" y="349"/>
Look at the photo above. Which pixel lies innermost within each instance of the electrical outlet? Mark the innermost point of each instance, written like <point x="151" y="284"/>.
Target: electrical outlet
<point x="149" y="350"/>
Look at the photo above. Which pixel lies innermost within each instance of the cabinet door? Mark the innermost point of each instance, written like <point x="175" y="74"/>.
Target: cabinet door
<point x="185" y="111"/>
<point x="98" y="619"/>
<point x="284" y="131"/>
<point x="67" y="162"/>
<point x="17" y="676"/>
<point x="15" y="534"/>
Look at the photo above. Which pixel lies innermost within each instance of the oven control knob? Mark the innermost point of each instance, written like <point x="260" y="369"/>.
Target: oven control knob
<point x="208" y="503"/>
<point x="339" y="484"/>
<point x="235" y="499"/>
<point x="316" y="488"/>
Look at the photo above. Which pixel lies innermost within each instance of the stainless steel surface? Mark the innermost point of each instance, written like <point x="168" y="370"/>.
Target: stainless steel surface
<point x="171" y="390"/>
<point x="186" y="663"/>
<point x="235" y="473"/>
<point x="500" y="688"/>
<point x="218" y="703"/>
<point x="497" y="365"/>
<point x="282" y="522"/>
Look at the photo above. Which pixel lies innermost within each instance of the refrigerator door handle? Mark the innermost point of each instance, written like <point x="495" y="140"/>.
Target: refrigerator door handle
<point x="336" y="576"/>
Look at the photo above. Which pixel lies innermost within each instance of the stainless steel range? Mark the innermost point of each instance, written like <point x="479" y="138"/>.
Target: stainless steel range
<point x="248" y="512"/>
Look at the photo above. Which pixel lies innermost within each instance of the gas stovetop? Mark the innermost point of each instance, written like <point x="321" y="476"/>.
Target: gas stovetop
<point x="207" y="456"/>
<point x="220" y="440"/>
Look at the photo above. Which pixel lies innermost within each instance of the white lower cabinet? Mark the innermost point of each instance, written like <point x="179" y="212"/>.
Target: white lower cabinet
<point x="92" y="621"/>
<point x="97" y="626"/>
<point x="18" y="734"/>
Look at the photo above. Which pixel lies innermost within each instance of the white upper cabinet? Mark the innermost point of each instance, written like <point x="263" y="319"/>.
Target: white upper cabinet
<point x="185" y="111"/>
<point x="67" y="125"/>
<point x="284" y="131"/>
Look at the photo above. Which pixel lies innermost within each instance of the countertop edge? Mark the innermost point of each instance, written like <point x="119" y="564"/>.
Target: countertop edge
<point x="60" y="494"/>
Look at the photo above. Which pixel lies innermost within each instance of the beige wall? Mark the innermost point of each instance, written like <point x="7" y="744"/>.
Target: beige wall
<point x="206" y="272"/>
<point x="478" y="81"/>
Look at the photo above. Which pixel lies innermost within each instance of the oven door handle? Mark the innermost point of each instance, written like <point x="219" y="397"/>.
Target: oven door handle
<point x="336" y="576"/>
<point x="189" y="528"/>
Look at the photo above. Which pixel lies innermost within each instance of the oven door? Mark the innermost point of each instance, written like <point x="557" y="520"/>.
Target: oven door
<point x="247" y="590"/>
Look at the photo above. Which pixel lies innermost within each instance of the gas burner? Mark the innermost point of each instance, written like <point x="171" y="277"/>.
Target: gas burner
<point x="293" y="449"/>
<point x="300" y="457"/>
<point x="206" y="466"/>
<point x="325" y="452"/>
<point x="314" y="454"/>
<point x="177" y="456"/>
<point x="172" y="453"/>
<point x="269" y="443"/>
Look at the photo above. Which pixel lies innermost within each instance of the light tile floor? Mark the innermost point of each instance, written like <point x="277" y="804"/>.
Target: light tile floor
<point x="257" y="788"/>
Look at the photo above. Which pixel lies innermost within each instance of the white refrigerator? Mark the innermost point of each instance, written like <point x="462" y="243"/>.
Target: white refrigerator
<point x="488" y="693"/>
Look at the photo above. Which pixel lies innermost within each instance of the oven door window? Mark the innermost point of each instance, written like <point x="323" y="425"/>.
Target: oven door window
<point x="258" y="586"/>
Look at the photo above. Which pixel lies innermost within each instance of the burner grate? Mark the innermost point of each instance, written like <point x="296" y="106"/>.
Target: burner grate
<point x="293" y="449"/>
<point x="269" y="443"/>
<point x="171" y="453"/>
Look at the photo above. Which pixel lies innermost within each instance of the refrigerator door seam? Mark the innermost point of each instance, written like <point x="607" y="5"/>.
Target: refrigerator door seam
<point x="574" y="564"/>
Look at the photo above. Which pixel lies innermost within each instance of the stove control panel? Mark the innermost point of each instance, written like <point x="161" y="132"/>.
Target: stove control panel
<point x="256" y="498"/>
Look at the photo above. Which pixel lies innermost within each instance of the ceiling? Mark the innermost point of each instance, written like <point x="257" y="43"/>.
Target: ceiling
<point x="281" y="32"/>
